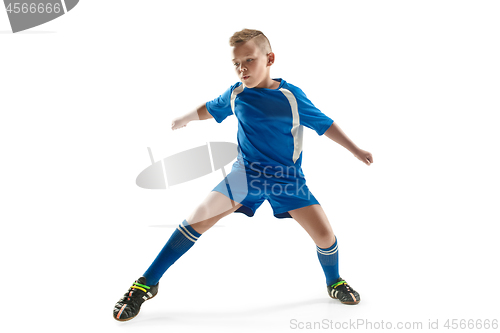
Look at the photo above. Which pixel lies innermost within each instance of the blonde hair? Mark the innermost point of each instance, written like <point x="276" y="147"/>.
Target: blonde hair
<point x="257" y="36"/>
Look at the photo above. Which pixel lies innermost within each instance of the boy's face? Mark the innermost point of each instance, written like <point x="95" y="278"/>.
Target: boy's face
<point x="252" y="65"/>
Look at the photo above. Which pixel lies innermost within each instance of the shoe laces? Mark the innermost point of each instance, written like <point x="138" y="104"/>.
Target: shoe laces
<point x="342" y="283"/>
<point x="137" y="286"/>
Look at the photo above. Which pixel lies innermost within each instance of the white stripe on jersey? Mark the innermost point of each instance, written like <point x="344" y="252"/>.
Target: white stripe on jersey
<point x="235" y="92"/>
<point x="296" y="127"/>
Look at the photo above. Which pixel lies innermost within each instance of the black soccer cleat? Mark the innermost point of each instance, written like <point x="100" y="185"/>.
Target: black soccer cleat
<point x="130" y="304"/>
<point x="343" y="292"/>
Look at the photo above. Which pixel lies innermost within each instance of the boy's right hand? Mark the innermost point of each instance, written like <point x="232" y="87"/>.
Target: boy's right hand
<point x="179" y="122"/>
<point x="182" y="121"/>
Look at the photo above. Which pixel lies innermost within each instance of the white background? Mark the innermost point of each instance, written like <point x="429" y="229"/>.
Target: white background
<point x="416" y="83"/>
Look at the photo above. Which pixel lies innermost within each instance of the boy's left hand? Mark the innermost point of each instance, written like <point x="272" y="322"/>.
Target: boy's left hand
<point x="364" y="156"/>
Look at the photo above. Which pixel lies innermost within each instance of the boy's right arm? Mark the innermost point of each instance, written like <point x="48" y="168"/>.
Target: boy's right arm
<point x="200" y="113"/>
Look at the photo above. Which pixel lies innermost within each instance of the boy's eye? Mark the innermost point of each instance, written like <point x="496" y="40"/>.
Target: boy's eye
<point x="236" y="64"/>
<point x="248" y="60"/>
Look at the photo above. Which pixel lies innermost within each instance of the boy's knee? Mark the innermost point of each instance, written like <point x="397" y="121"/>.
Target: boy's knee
<point x="325" y="240"/>
<point x="203" y="215"/>
<point x="207" y="212"/>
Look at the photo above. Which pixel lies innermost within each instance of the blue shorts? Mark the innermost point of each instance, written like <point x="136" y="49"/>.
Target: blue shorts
<point x="251" y="187"/>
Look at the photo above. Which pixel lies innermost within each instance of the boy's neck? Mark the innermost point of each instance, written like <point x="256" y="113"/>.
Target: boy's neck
<point x="269" y="84"/>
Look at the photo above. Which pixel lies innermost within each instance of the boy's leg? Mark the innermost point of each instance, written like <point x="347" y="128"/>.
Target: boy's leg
<point x="215" y="206"/>
<point x="313" y="219"/>
<point x="212" y="209"/>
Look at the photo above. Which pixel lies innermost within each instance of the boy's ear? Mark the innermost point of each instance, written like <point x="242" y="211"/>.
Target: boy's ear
<point x="270" y="58"/>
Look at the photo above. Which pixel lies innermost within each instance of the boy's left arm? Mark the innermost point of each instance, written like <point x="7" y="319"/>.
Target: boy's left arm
<point x="337" y="135"/>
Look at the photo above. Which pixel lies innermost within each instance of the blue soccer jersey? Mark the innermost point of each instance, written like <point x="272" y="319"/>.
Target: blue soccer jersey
<point x="270" y="124"/>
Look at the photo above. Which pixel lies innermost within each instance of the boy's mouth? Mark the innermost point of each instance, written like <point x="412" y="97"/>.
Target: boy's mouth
<point x="245" y="77"/>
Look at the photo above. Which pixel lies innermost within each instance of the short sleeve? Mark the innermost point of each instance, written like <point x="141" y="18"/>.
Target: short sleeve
<point x="309" y="115"/>
<point x="220" y="108"/>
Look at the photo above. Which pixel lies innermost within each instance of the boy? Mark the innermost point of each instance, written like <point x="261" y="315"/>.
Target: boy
<point x="270" y="115"/>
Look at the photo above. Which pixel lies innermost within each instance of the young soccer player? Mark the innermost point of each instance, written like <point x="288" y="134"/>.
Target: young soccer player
<point x="271" y="114"/>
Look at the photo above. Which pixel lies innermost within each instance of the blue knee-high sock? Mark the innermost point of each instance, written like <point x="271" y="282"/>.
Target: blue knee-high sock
<point x="182" y="239"/>
<point x="329" y="259"/>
